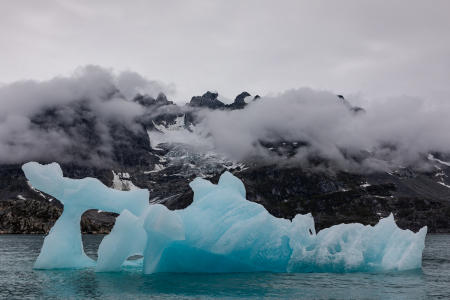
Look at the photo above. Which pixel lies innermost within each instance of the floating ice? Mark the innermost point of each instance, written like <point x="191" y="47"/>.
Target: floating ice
<point x="63" y="247"/>
<point x="219" y="232"/>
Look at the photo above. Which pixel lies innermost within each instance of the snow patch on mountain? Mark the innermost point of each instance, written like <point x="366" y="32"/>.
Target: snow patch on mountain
<point x="157" y="168"/>
<point x="164" y="127"/>
<point x="187" y="149"/>
<point x="432" y="158"/>
<point x="444" y="184"/>
<point x="37" y="191"/>
<point x="178" y="133"/>
<point x="122" y="182"/>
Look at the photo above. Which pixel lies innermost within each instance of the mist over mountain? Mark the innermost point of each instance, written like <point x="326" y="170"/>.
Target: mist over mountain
<point x="343" y="159"/>
<point x="51" y="120"/>
<point x="80" y="118"/>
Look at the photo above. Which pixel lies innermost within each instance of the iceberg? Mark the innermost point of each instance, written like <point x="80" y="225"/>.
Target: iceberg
<point x="221" y="231"/>
<point x="63" y="247"/>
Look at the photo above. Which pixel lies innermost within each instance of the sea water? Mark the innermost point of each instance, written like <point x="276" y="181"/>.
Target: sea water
<point x="18" y="280"/>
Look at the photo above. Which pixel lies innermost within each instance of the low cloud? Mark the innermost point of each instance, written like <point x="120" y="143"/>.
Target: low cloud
<point x="51" y="120"/>
<point x="69" y="118"/>
<point x="390" y="133"/>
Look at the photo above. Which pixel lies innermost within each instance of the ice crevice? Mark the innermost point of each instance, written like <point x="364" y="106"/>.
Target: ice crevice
<point x="220" y="231"/>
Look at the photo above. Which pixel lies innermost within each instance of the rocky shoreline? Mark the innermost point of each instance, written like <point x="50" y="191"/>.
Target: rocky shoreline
<point x="331" y="199"/>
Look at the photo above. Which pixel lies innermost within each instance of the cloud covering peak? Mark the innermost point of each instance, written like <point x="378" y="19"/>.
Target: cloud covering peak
<point x="43" y="119"/>
<point x="390" y="133"/>
<point x="83" y="117"/>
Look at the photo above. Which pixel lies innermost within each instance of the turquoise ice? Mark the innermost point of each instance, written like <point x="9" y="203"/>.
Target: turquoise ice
<point x="63" y="247"/>
<point x="220" y="231"/>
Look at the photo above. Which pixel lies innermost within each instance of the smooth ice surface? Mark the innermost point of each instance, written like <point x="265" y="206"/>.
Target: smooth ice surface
<point x="220" y="231"/>
<point x="127" y="238"/>
<point x="225" y="232"/>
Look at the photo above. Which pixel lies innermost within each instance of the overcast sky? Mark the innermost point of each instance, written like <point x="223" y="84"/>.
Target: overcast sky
<point x="377" y="48"/>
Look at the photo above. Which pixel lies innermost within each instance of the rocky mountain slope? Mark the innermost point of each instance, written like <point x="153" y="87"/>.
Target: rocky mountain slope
<point x="144" y="155"/>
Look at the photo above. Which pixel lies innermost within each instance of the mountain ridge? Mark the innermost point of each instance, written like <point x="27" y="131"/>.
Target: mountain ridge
<point x="416" y="197"/>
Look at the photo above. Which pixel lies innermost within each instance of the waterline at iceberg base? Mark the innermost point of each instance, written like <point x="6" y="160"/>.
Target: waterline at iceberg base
<point x="220" y="231"/>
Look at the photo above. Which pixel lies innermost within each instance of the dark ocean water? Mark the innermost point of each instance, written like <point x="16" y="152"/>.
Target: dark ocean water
<point x="19" y="281"/>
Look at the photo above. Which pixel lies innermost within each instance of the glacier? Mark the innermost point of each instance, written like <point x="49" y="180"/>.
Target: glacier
<point x="221" y="231"/>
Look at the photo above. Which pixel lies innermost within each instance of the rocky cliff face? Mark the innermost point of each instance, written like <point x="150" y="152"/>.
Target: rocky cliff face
<point x="138" y="159"/>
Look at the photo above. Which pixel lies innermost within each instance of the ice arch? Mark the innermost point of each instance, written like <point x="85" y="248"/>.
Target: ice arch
<point x="220" y="231"/>
<point x="63" y="247"/>
<point x="147" y="235"/>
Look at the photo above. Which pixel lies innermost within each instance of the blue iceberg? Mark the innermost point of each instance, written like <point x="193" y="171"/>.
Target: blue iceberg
<point x="220" y="231"/>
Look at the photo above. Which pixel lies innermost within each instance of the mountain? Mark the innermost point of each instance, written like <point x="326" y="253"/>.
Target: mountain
<point x="165" y="147"/>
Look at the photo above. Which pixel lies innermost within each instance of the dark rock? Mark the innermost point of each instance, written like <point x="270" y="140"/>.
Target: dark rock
<point x="208" y="99"/>
<point x="239" y="101"/>
<point x="354" y="109"/>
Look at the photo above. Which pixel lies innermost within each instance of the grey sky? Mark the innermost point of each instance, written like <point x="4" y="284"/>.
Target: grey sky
<point x="377" y="48"/>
